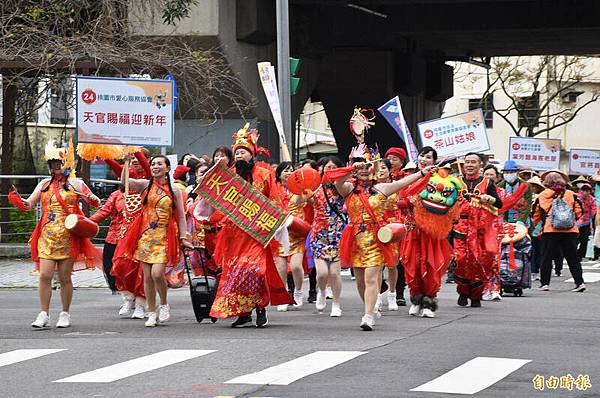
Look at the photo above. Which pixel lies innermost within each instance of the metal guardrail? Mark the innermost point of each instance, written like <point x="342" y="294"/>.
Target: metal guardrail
<point x="94" y="182"/>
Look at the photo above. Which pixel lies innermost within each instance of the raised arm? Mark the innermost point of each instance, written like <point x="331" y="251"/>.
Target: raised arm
<point x="34" y="198"/>
<point x="136" y="184"/>
<point x="392" y="187"/>
<point x="342" y="186"/>
<point x="144" y="162"/>
<point x="105" y="211"/>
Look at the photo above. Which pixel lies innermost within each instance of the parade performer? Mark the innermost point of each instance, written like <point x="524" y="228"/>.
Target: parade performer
<point x="426" y="251"/>
<point x="384" y="176"/>
<point x="475" y="234"/>
<point x="397" y="158"/>
<point x="493" y="287"/>
<point x="53" y="247"/>
<point x="153" y="240"/>
<point x="140" y="166"/>
<point x="366" y="202"/>
<point x="249" y="280"/>
<point x="292" y="204"/>
<point x="511" y="182"/>
<point x="329" y="221"/>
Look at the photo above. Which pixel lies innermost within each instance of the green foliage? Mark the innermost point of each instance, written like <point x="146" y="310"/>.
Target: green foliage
<point x="22" y="223"/>
<point x="176" y="10"/>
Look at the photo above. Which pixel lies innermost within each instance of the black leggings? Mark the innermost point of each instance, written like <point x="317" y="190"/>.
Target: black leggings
<point x="107" y="261"/>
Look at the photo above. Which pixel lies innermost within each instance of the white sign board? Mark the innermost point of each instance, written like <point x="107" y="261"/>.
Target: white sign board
<point x="534" y="153"/>
<point x="455" y="135"/>
<point x="584" y="162"/>
<point x="125" y="111"/>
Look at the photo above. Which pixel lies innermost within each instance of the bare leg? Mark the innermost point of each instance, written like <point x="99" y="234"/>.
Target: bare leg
<point x="149" y="289"/>
<point x="322" y="274"/>
<point x="335" y="280"/>
<point x="160" y="283"/>
<point x="392" y="278"/>
<point x="371" y="276"/>
<point x="282" y="268"/>
<point x="65" y="268"/>
<point x="359" y="274"/>
<point x="297" y="270"/>
<point x="45" y="283"/>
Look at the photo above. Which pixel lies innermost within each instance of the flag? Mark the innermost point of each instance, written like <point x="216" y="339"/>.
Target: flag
<point x="392" y="112"/>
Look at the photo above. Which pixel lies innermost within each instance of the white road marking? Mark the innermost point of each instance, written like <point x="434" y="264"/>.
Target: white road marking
<point x="473" y="376"/>
<point x="588" y="277"/>
<point x="135" y="366"/>
<point x="8" y="358"/>
<point x="288" y="372"/>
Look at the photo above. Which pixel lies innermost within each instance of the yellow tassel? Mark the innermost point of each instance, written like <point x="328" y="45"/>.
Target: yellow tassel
<point x="101" y="151"/>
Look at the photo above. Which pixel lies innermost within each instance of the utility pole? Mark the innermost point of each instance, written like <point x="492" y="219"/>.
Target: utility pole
<point x="283" y="69"/>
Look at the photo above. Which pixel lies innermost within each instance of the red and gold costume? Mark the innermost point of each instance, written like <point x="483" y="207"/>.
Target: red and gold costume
<point x="152" y="238"/>
<point x="50" y="239"/>
<point x="359" y="246"/>
<point x="249" y="279"/>
<point x="475" y="237"/>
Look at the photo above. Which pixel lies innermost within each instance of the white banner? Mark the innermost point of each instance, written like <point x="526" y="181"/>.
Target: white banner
<point x="455" y="135"/>
<point x="124" y="111"/>
<point x="534" y="153"/>
<point x="584" y="162"/>
<point x="266" y="72"/>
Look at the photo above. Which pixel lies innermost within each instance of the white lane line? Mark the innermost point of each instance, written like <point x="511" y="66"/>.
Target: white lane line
<point x="288" y="372"/>
<point x="135" y="366"/>
<point x="473" y="376"/>
<point x="8" y="358"/>
<point x="588" y="277"/>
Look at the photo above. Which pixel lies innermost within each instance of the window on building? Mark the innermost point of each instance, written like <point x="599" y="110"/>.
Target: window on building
<point x="61" y="102"/>
<point x="529" y="108"/>
<point x="487" y="105"/>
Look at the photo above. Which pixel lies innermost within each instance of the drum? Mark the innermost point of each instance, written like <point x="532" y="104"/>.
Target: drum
<point x="81" y="226"/>
<point x="513" y="233"/>
<point x="298" y="226"/>
<point x="392" y="233"/>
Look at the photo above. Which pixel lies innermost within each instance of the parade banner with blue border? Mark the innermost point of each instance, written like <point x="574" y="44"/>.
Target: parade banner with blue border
<point x="392" y="112"/>
<point x="534" y="153"/>
<point x="456" y="135"/>
<point x="125" y="111"/>
<point x="584" y="162"/>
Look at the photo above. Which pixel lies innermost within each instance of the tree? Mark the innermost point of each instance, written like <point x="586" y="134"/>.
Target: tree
<point x="541" y="91"/>
<point x="54" y="40"/>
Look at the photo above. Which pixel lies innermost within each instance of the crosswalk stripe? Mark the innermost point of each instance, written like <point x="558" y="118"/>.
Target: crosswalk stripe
<point x="588" y="277"/>
<point x="288" y="372"/>
<point x="473" y="376"/>
<point x="135" y="366"/>
<point x="8" y="358"/>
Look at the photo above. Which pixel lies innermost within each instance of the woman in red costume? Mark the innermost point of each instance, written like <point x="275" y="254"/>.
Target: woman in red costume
<point x="366" y="202"/>
<point x="249" y="280"/>
<point x="493" y="287"/>
<point x="426" y="251"/>
<point x="384" y="176"/>
<point x="153" y="239"/>
<point x="53" y="247"/>
<point x="295" y="206"/>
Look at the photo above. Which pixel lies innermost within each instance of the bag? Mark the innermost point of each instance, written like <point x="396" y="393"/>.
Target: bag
<point x="203" y="290"/>
<point x="562" y="215"/>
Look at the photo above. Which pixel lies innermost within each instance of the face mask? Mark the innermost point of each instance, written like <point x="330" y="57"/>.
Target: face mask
<point x="510" y="178"/>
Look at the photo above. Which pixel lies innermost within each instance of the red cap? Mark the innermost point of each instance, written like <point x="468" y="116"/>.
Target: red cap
<point x="180" y="170"/>
<point x="401" y="153"/>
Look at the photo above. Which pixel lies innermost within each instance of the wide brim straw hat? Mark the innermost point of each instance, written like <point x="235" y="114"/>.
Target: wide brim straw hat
<point x="562" y="173"/>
